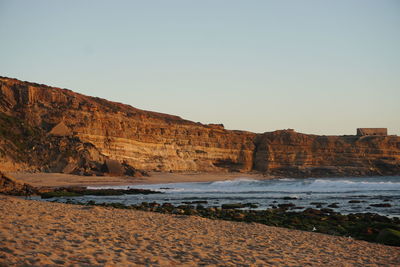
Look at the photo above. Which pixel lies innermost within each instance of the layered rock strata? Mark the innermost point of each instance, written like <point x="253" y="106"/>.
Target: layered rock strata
<point x="142" y="139"/>
<point x="287" y="153"/>
<point x="67" y="127"/>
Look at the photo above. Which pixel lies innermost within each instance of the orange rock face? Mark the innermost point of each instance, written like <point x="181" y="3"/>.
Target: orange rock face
<point x="287" y="153"/>
<point x="145" y="140"/>
<point x="142" y="140"/>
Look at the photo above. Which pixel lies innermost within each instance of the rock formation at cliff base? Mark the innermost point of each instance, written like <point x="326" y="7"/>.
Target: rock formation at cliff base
<point x="10" y="186"/>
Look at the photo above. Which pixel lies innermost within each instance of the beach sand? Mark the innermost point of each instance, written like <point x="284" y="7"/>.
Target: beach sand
<point x="43" y="233"/>
<point x="60" y="179"/>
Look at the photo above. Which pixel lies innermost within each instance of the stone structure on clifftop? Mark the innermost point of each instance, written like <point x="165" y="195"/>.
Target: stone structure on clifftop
<point x="93" y="136"/>
<point x="372" y="131"/>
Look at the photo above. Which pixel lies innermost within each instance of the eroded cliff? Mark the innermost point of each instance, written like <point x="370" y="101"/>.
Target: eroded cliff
<point x="142" y="139"/>
<point x="53" y="129"/>
<point x="287" y="153"/>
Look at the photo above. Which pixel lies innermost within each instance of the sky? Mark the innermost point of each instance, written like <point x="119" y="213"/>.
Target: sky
<point x="319" y="67"/>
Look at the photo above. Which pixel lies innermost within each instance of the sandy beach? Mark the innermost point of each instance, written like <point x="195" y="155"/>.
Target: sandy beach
<point x="38" y="233"/>
<point x="60" y="179"/>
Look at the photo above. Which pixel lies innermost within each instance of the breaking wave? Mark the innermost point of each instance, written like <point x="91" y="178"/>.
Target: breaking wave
<point x="322" y="185"/>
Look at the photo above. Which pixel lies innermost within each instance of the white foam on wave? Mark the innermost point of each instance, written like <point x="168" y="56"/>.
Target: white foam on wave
<point x="244" y="184"/>
<point x="234" y="181"/>
<point x="356" y="182"/>
<point x="356" y="185"/>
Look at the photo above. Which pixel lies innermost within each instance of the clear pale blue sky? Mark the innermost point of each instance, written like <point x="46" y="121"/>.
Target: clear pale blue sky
<point x="324" y="67"/>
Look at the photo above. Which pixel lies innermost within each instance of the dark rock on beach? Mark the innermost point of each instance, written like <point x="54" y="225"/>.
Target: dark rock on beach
<point x="333" y="205"/>
<point x="389" y="237"/>
<point x="11" y="186"/>
<point x="286" y="205"/>
<point x="318" y="204"/>
<point x="82" y="191"/>
<point x="289" y="198"/>
<point x="196" y="202"/>
<point x="233" y="206"/>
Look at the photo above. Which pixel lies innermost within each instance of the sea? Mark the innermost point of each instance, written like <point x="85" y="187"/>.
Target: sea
<point x="345" y="195"/>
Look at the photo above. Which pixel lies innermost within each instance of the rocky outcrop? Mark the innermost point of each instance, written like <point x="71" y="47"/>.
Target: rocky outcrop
<point x="60" y="130"/>
<point x="30" y="148"/>
<point x="10" y="186"/>
<point x="52" y="129"/>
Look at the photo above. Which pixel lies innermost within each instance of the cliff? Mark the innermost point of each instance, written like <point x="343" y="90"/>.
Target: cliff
<point x="107" y="130"/>
<point x="287" y="153"/>
<point x="51" y="129"/>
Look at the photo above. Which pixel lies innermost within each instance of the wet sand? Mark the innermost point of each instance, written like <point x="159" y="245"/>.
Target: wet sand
<point x="42" y="233"/>
<point x="59" y="179"/>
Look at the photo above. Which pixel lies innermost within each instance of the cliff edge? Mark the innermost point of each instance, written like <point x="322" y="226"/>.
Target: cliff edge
<point x="56" y="130"/>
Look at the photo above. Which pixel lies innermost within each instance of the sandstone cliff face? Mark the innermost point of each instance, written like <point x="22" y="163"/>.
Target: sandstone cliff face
<point x="79" y="134"/>
<point x="289" y="153"/>
<point x="142" y="139"/>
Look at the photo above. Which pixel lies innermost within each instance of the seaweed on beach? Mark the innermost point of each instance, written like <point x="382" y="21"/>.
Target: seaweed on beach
<point x="82" y="191"/>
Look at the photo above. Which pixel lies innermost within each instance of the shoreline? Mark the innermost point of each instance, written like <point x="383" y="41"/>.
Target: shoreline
<point x="44" y="233"/>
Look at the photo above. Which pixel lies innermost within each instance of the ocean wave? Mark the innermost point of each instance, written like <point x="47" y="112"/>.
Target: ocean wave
<point x="295" y="185"/>
<point x="235" y="181"/>
<point x="246" y="185"/>
<point x="355" y="182"/>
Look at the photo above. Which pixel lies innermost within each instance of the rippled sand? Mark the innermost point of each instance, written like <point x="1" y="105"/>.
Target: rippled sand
<point x="41" y="233"/>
